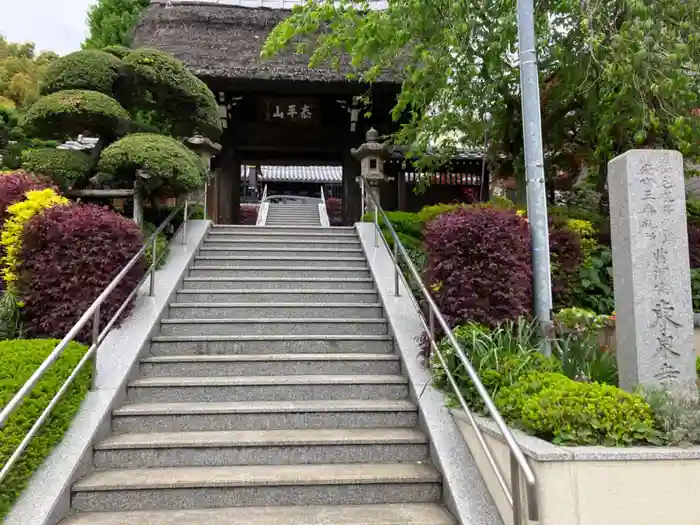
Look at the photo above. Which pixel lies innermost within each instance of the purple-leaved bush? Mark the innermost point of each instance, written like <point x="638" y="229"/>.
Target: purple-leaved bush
<point x="479" y="265"/>
<point x="13" y="187"/>
<point x="69" y="255"/>
<point x="248" y="214"/>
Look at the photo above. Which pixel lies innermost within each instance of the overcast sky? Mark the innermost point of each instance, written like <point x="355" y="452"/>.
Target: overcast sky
<point x="54" y="25"/>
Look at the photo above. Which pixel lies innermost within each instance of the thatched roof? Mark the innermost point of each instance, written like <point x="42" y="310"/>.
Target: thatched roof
<point x="224" y="41"/>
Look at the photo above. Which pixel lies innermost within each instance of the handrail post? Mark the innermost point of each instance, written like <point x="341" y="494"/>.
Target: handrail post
<point x="376" y="224"/>
<point x="154" y="259"/>
<point x="95" y="342"/>
<point x="515" y="490"/>
<point x="396" y="269"/>
<point x="184" y="225"/>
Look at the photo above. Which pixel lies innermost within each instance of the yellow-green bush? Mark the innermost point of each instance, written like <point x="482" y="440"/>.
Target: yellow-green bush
<point x="20" y="359"/>
<point x="428" y="213"/>
<point x="18" y="215"/>
<point x="566" y="412"/>
<point x="587" y="235"/>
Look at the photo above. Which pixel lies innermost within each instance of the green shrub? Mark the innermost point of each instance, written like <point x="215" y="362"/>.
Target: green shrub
<point x="72" y="112"/>
<point x="676" y="416"/>
<point x="87" y="69"/>
<point x="501" y="203"/>
<point x="20" y="359"/>
<point x="692" y="209"/>
<point x="499" y="357"/>
<point x="697" y="365"/>
<point x="594" y="288"/>
<point x="117" y="50"/>
<point x="695" y="286"/>
<point x="428" y="213"/>
<point x="166" y="159"/>
<point x="555" y="408"/>
<point x="161" y="245"/>
<point x="64" y="167"/>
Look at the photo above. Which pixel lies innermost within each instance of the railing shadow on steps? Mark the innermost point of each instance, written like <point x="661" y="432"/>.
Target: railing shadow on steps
<point x="264" y="207"/>
<point x="93" y="312"/>
<point x="518" y="462"/>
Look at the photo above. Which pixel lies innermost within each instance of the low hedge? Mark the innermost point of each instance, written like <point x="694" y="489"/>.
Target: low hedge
<point x="20" y="359"/>
<point x="566" y="412"/>
<point x="65" y="167"/>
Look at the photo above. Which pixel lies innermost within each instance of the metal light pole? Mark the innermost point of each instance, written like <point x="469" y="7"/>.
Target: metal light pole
<point x="534" y="168"/>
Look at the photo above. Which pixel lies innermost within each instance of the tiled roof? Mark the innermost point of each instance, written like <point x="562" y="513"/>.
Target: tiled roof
<point x="313" y="174"/>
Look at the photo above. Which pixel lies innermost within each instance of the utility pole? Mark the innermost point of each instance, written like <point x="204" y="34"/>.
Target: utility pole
<point x="534" y="169"/>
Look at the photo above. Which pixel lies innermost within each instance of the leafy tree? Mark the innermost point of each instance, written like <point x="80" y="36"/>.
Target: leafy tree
<point x="97" y="93"/>
<point x="613" y="75"/>
<point x="20" y="71"/>
<point x="111" y="21"/>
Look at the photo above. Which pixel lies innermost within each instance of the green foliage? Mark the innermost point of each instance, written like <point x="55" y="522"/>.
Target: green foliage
<point x="168" y="161"/>
<point x="118" y="51"/>
<point x="161" y="246"/>
<point x="10" y="316"/>
<point x="676" y="416"/>
<point x="499" y="357"/>
<point x="88" y="69"/>
<point x="407" y="226"/>
<point x="594" y="290"/>
<point x="20" y="359"/>
<point x="565" y="412"/>
<point x="72" y="112"/>
<point x="111" y="22"/>
<point x="695" y="286"/>
<point x="64" y="167"/>
<point x="606" y="85"/>
<point x="428" y="213"/>
<point x="176" y="92"/>
<point x="587" y="235"/>
<point x="20" y="71"/>
<point x="692" y="209"/>
<point x="501" y="203"/>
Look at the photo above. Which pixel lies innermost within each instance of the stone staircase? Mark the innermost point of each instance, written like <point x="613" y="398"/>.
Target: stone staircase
<point x="293" y="214"/>
<point x="272" y="395"/>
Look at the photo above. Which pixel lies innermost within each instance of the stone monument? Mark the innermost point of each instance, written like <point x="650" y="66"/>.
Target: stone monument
<point x="654" y="315"/>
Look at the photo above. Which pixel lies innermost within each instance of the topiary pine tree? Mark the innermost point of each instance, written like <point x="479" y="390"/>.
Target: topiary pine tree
<point x="140" y="104"/>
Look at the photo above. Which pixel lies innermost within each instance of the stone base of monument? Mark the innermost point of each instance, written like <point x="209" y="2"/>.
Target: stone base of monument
<point x="596" y="485"/>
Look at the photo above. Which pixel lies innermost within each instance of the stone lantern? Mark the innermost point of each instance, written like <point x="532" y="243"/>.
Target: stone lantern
<point x="372" y="155"/>
<point x="206" y="149"/>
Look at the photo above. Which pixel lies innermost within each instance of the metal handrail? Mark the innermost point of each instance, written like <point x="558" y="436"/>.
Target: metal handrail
<point x="262" y="210"/>
<point x="518" y="462"/>
<point x="322" y="212"/>
<point x="93" y="312"/>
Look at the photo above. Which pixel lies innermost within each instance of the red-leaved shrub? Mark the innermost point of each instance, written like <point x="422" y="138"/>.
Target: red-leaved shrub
<point x="479" y="265"/>
<point x="566" y="257"/>
<point x="69" y="255"/>
<point x="13" y="187"/>
<point x="694" y="246"/>
<point x="334" y="209"/>
<point x="248" y="214"/>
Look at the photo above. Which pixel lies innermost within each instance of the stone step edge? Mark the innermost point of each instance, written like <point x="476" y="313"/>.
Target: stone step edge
<point x="290" y="380"/>
<point x="268" y="291"/>
<point x="264" y="241"/>
<point x="263" y="338"/>
<point x="266" y="258"/>
<point x="283" y="249"/>
<point x="271" y="320"/>
<point x="283" y="268"/>
<point x="264" y="358"/>
<point x="257" y="475"/>
<point x="377" y="514"/>
<point x="283" y="279"/>
<point x="264" y="407"/>
<point x="266" y="438"/>
<point x="275" y="305"/>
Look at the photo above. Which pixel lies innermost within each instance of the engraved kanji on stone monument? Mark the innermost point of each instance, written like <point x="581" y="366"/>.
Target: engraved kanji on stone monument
<point x="654" y="318"/>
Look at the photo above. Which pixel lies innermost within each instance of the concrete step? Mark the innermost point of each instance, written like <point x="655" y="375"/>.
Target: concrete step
<point x="279" y="283"/>
<point x="264" y="415"/>
<point x="275" y="311"/>
<point x="269" y="365"/>
<point x="388" y="514"/>
<point x="261" y="447"/>
<point x="271" y="296"/>
<point x="267" y="388"/>
<point x="294" y="251"/>
<point x="288" y="232"/>
<point x="256" y="485"/>
<point x="279" y="272"/>
<point x="234" y="228"/>
<point x="283" y="243"/>
<point x="266" y="344"/>
<point x="258" y="261"/>
<point x="288" y="326"/>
